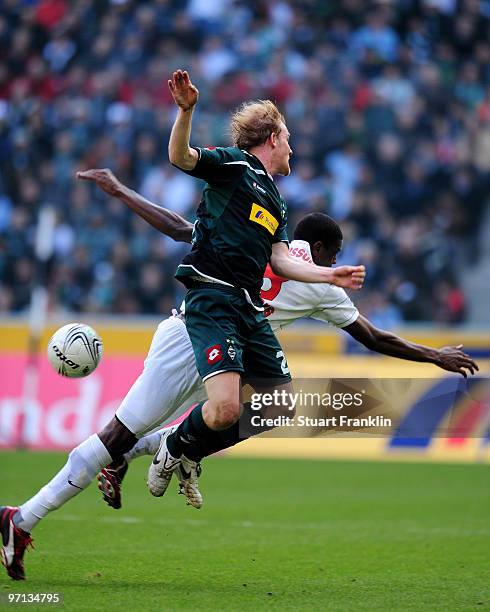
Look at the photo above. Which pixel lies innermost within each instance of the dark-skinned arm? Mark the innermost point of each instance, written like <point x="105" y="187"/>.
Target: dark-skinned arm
<point x="450" y="358"/>
<point x="165" y="221"/>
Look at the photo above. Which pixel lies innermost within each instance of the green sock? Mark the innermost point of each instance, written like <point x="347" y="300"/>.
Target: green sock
<point x="192" y="437"/>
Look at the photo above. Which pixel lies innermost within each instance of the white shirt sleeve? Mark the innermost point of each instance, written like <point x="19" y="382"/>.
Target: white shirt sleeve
<point x="336" y="308"/>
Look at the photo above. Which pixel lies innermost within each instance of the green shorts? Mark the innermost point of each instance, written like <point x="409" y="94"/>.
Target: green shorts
<point x="229" y="335"/>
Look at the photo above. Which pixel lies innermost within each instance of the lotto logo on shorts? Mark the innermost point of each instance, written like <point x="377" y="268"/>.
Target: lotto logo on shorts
<point x="214" y="354"/>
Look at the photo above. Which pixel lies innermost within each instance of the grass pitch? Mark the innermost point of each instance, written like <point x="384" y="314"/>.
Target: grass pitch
<point x="273" y="534"/>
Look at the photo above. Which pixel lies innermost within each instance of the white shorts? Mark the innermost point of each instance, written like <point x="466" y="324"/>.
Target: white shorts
<point x="168" y="385"/>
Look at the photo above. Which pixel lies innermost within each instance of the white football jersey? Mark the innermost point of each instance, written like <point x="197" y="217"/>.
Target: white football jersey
<point x="287" y="300"/>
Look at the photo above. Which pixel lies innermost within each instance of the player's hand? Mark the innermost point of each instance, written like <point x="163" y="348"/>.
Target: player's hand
<point x="453" y="359"/>
<point x="349" y="277"/>
<point x="183" y="91"/>
<point x="103" y="178"/>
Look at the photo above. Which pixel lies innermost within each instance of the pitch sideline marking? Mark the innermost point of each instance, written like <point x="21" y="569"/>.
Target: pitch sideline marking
<point x="133" y="520"/>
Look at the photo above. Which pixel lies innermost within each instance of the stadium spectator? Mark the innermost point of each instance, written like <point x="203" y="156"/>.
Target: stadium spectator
<point x="388" y="104"/>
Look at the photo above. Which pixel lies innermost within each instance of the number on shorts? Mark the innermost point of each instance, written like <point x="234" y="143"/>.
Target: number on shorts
<point x="284" y="363"/>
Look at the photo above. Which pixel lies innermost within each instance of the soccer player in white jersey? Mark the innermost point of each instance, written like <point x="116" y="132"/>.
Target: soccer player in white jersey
<point x="170" y="382"/>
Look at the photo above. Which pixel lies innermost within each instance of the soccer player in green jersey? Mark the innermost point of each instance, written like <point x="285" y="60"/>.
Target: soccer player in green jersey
<point x="241" y="226"/>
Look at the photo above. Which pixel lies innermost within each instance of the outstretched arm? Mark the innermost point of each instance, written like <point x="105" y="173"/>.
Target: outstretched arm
<point x="349" y="277"/>
<point x="185" y="95"/>
<point x="450" y="358"/>
<point x="165" y="221"/>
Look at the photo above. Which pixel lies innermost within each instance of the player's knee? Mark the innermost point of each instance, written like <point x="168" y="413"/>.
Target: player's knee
<point x="224" y="414"/>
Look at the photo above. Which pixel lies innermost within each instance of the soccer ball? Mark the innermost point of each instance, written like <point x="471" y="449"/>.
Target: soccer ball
<point x="75" y="350"/>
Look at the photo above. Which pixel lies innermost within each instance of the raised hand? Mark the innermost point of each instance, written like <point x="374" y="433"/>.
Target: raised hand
<point x="453" y="359"/>
<point x="103" y="178"/>
<point x="184" y="93"/>
<point x="349" y="277"/>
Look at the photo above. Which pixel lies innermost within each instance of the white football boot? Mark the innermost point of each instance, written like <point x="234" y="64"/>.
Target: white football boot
<point x="188" y="473"/>
<point x="162" y="467"/>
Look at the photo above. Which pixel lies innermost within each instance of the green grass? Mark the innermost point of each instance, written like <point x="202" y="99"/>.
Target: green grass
<point x="273" y="534"/>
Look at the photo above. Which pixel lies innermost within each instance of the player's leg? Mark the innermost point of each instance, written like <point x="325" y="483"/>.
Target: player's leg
<point x="181" y="450"/>
<point x="201" y="433"/>
<point x="243" y="429"/>
<point x="147" y="445"/>
<point x="163" y="392"/>
<point x="213" y="322"/>
<point x="110" y="478"/>
<point x="147" y="404"/>
<point x="169" y="380"/>
<point x="82" y="465"/>
<point x="189" y="469"/>
<point x="267" y="371"/>
<point x="261" y="357"/>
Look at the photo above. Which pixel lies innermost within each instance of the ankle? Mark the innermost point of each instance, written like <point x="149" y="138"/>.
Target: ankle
<point x="173" y="445"/>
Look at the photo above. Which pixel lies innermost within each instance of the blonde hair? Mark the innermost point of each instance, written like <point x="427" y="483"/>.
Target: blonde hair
<point x="253" y="122"/>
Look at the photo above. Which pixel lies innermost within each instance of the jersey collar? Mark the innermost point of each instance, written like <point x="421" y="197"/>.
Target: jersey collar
<point x="261" y="165"/>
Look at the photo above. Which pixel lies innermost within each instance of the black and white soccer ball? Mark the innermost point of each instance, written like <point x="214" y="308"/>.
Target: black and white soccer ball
<point x="75" y="350"/>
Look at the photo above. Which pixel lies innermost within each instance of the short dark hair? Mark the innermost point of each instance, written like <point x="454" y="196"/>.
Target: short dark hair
<point x="318" y="227"/>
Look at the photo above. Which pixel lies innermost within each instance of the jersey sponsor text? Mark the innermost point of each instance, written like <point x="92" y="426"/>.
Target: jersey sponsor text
<point x="263" y="217"/>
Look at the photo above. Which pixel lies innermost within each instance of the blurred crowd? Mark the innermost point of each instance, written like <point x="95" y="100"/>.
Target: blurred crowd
<point x="388" y="105"/>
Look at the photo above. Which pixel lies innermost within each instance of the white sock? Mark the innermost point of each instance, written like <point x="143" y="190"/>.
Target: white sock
<point x="148" y="445"/>
<point x="84" y="462"/>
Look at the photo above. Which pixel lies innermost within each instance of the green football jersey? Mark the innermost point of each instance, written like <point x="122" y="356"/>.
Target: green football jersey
<point x="241" y="215"/>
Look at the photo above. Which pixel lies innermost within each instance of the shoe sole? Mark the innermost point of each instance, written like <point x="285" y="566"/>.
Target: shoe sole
<point x="110" y="501"/>
<point x="182" y="491"/>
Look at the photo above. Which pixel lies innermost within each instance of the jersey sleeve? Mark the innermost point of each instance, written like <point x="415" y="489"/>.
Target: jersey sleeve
<point x="336" y="308"/>
<point x="218" y="166"/>
<point x="281" y="234"/>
